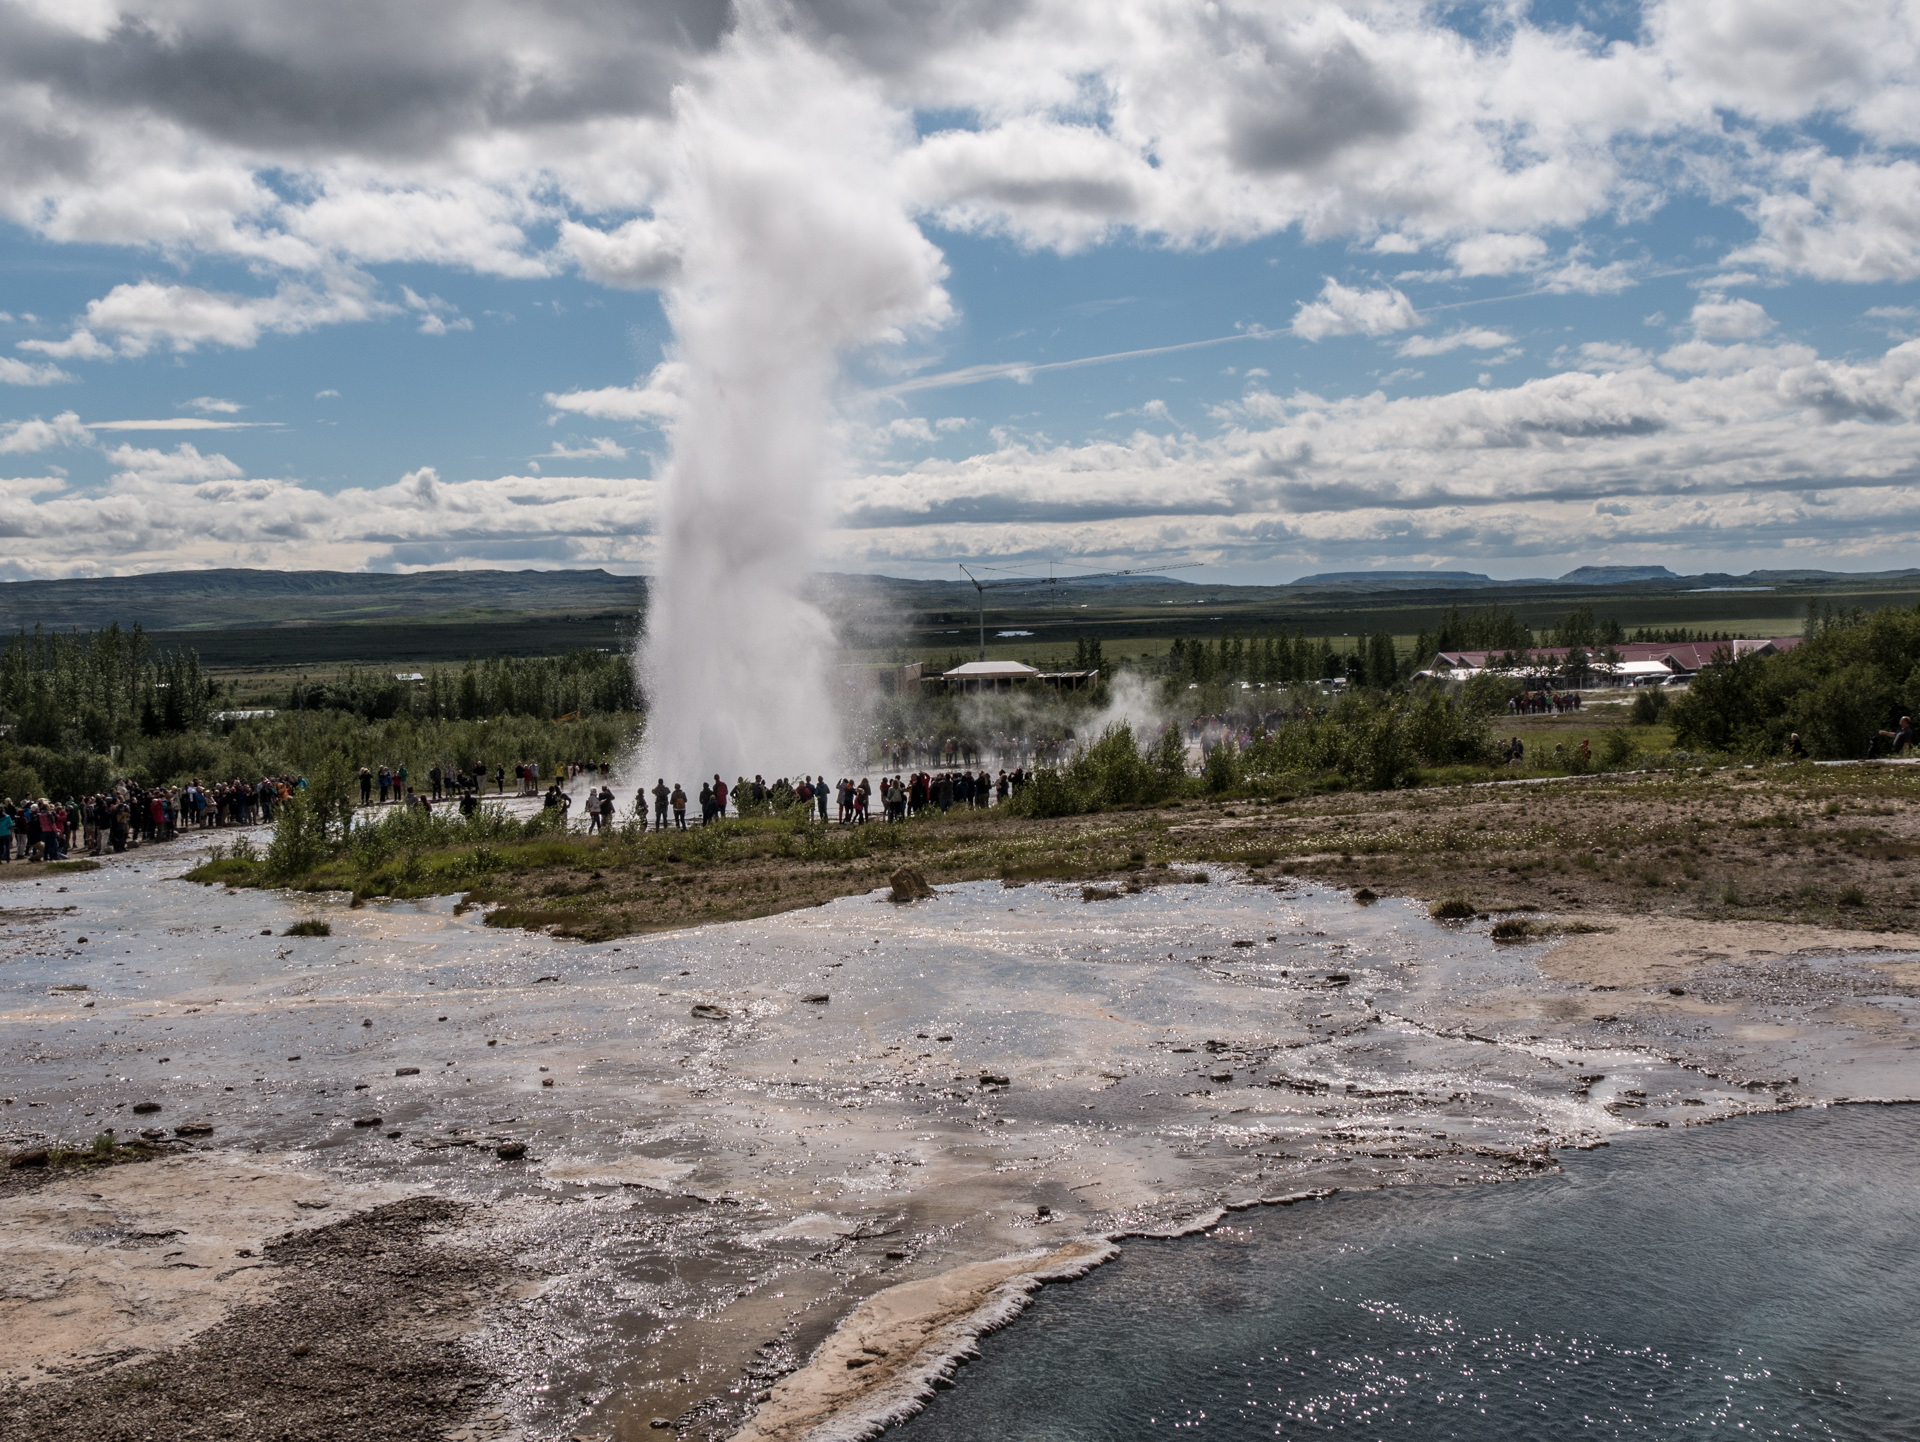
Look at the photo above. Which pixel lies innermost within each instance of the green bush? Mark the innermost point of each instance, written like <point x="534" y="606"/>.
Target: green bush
<point x="1649" y="705"/>
<point x="1372" y="742"/>
<point x="299" y="837"/>
<point x="1110" y="772"/>
<point x="19" y="782"/>
<point x="1221" y="772"/>
<point x="1617" y="747"/>
<point x="1852" y="677"/>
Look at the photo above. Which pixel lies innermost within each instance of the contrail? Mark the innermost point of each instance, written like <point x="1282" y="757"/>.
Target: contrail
<point x="1022" y="370"/>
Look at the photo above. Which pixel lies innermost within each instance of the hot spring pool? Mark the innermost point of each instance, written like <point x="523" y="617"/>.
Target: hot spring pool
<point x="1758" y="1278"/>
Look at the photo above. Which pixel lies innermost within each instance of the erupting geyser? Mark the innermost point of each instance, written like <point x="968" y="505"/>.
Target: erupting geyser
<point x="797" y="250"/>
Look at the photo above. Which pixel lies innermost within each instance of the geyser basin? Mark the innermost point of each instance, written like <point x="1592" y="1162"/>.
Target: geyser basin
<point x="704" y="1197"/>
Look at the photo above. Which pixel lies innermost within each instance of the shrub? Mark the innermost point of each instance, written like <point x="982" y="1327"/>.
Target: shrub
<point x="309" y="928"/>
<point x="1372" y="742"/>
<point x="1517" y="928"/>
<point x="1616" y="747"/>
<point x="1451" y="908"/>
<point x="1649" y="705"/>
<point x="299" y="838"/>
<point x="1110" y="772"/>
<point x="1222" y="769"/>
<point x="1847" y="680"/>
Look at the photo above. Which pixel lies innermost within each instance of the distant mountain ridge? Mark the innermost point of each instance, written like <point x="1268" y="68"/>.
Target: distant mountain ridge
<point x="1615" y="575"/>
<point x="598" y="607"/>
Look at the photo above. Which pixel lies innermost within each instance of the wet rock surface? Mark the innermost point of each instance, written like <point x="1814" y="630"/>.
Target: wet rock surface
<point x="708" y="1170"/>
<point x="360" y="1340"/>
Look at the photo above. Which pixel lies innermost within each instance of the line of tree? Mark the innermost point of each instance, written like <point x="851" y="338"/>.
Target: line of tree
<point x="98" y="689"/>
<point x="1280" y="659"/>
<point x="579" y="683"/>
<point x="1677" y="635"/>
<point x="1489" y="630"/>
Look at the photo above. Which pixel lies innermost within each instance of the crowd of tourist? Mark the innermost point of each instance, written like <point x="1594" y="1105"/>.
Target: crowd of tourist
<point x="949" y="753"/>
<point x="394" y="784"/>
<point x="1540" y="703"/>
<point x="130" y="815"/>
<point x="847" y="802"/>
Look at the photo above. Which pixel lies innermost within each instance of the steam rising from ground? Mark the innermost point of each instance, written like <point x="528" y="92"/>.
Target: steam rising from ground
<point x="796" y="250"/>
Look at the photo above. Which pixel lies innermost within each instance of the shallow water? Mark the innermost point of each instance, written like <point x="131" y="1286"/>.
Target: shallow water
<point x="1758" y="1278"/>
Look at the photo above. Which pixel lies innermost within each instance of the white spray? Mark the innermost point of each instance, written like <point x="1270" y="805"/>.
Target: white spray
<point x="797" y="251"/>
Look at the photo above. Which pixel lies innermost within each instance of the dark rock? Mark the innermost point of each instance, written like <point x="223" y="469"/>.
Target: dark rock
<point x="1220" y="1076"/>
<point x="367" y="1022"/>
<point x="406" y="1071"/>
<point x="1043" y="1211"/>
<point x="510" y="1151"/>
<point x="1676" y="991"/>
<point x="155" y="1134"/>
<point x="1244" y="943"/>
<point x="194" y="1129"/>
<point x="818" y="998"/>
<point x="909" y="885"/>
<point x="546" y="1081"/>
<point x="366" y="1121"/>
<point x="1365" y="897"/>
<point x="33" y="1157"/>
<point x="1338" y="978"/>
<point x="299" y="1349"/>
<point x="712" y="1013"/>
<point x="1099" y="893"/>
<point x="988" y="1079"/>
<point x="143" y="1108"/>
<point x="538" y="979"/>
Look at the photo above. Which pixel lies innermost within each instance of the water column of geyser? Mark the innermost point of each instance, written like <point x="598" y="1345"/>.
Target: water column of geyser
<point x="798" y="251"/>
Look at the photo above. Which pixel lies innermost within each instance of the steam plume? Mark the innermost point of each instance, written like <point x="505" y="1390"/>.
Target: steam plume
<point x="796" y="250"/>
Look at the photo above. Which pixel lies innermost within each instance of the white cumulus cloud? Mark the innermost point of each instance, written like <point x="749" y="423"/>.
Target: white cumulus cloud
<point x="1344" y="310"/>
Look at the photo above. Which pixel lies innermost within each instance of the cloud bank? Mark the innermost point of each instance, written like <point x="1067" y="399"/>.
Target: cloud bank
<point x="310" y="151"/>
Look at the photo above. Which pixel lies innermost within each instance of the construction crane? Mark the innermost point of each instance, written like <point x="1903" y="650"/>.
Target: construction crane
<point x="1053" y="582"/>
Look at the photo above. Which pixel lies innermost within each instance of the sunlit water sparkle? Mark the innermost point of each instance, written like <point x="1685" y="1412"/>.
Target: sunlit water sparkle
<point x="1759" y="1278"/>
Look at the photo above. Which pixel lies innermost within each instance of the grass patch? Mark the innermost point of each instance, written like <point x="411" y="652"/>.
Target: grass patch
<point x="1451" y="908"/>
<point x="309" y="927"/>
<point x="73" y="866"/>
<point x="106" y="1150"/>
<point x="1518" y="928"/>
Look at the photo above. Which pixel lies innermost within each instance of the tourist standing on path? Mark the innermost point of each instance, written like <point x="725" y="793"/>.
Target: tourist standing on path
<point x="366" y="787"/>
<point x="660" y="795"/>
<point x="719" y="797"/>
<point x="679" y="807"/>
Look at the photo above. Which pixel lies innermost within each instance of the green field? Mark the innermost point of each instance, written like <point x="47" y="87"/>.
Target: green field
<point x="261" y="630"/>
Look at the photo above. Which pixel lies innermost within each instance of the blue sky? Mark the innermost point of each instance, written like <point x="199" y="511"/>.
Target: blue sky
<point x="1506" y="288"/>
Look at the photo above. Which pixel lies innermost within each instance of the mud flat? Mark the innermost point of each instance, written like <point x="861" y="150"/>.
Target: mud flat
<point x="772" y="1178"/>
